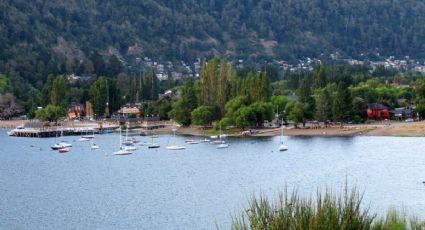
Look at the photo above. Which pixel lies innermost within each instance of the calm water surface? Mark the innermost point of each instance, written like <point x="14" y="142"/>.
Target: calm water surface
<point x="198" y="188"/>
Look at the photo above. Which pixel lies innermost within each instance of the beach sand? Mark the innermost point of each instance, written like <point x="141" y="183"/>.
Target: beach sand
<point x="400" y="129"/>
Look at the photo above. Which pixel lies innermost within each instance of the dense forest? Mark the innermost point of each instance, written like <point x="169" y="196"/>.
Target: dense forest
<point x="338" y="93"/>
<point x="100" y="38"/>
<point x="188" y="29"/>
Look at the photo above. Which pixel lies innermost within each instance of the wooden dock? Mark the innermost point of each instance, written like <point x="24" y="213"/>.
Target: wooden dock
<point x="49" y="132"/>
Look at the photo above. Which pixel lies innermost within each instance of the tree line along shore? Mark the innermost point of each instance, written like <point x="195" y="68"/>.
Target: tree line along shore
<point x="225" y="96"/>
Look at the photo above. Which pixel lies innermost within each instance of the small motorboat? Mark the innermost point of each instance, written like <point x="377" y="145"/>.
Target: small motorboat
<point x="193" y="142"/>
<point x="222" y="146"/>
<point x="175" y="147"/>
<point x="205" y="140"/>
<point x="90" y="136"/>
<point x="153" y="146"/>
<point x="64" y="150"/>
<point x="94" y="146"/>
<point x="129" y="148"/>
<point x="189" y="140"/>
<point x="283" y="147"/>
<point x="61" y="145"/>
<point x="214" y="137"/>
<point x="83" y="139"/>
<point x="122" y="152"/>
<point x="217" y="142"/>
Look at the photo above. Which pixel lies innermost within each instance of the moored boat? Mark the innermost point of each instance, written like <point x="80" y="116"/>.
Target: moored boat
<point x="64" y="150"/>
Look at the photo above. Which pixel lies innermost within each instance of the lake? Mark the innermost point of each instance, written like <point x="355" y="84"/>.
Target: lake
<point x="198" y="188"/>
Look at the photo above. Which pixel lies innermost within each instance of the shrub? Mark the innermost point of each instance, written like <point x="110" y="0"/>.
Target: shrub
<point x="327" y="211"/>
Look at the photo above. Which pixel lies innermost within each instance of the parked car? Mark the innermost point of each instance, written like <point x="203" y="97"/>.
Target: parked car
<point x="409" y="120"/>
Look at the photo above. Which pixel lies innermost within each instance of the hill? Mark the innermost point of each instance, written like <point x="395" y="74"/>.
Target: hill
<point x="188" y="29"/>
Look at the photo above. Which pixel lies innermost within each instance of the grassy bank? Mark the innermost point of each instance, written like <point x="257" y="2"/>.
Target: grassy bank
<point x="327" y="211"/>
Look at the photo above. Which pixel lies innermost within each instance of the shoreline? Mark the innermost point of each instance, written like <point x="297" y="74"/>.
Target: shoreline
<point x="394" y="129"/>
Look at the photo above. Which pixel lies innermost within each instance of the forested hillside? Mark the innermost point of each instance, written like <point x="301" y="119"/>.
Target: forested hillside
<point x="41" y="38"/>
<point x="186" y="29"/>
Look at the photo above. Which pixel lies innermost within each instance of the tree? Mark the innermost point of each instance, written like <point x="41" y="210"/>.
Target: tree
<point x="9" y="106"/>
<point x="181" y="109"/>
<point x="203" y="115"/>
<point x="279" y="103"/>
<point x="319" y="76"/>
<point x="99" y="95"/>
<point x="297" y="113"/>
<point x="324" y="106"/>
<point x="232" y="106"/>
<point x="4" y="84"/>
<point x="305" y="96"/>
<point x="50" y="113"/>
<point x="98" y="62"/>
<point x="58" y="92"/>
<point x="342" y="104"/>
<point x="114" y="93"/>
<point x="114" y="66"/>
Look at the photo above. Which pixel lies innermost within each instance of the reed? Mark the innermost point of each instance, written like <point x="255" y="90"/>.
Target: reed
<point x="326" y="211"/>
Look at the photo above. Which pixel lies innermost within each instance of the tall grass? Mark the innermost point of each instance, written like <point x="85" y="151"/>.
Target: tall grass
<point x="327" y="211"/>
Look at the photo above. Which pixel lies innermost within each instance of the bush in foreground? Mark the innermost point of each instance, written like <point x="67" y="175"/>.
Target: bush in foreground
<point x="327" y="211"/>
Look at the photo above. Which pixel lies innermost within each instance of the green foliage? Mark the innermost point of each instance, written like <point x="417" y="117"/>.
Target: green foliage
<point x="143" y="88"/>
<point x="326" y="211"/>
<point x="324" y="106"/>
<point x="279" y="103"/>
<point x="181" y="109"/>
<point x="50" y="113"/>
<point x="304" y="95"/>
<point x="58" y="92"/>
<point x="342" y="104"/>
<point x="253" y="115"/>
<point x="297" y="112"/>
<point x="203" y="115"/>
<point x="4" y="84"/>
<point x="99" y="96"/>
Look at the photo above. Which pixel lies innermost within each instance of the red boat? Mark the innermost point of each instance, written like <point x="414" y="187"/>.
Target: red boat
<point x="64" y="150"/>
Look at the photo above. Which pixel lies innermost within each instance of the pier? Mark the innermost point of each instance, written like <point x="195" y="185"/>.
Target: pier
<point x="49" y="132"/>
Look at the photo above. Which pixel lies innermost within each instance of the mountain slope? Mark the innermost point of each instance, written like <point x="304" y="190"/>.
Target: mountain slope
<point x="187" y="29"/>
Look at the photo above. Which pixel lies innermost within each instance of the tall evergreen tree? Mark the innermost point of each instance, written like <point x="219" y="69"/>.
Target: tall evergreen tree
<point x="99" y="95"/>
<point x="324" y="106"/>
<point x="342" y="104"/>
<point x="182" y="109"/>
<point x="58" y="92"/>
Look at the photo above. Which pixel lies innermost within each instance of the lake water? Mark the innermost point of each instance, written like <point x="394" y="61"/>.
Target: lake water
<point x="198" y="188"/>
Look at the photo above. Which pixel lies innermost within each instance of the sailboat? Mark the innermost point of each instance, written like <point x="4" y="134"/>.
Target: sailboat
<point x="61" y="144"/>
<point x="174" y="146"/>
<point x="122" y="151"/>
<point x="93" y="145"/>
<point x="153" y="145"/>
<point x="223" y="143"/>
<point x="282" y="147"/>
<point x="128" y="144"/>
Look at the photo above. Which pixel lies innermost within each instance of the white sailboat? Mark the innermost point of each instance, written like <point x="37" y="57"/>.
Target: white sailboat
<point x="223" y="144"/>
<point x="128" y="144"/>
<point x="122" y="151"/>
<point x="174" y="146"/>
<point x="153" y="145"/>
<point x="93" y="145"/>
<point x="282" y="146"/>
<point x="61" y="144"/>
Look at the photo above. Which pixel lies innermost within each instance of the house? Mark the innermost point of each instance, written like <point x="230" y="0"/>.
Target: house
<point x="376" y="111"/>
<point x="76" y="111"/>
<point x="129" y="110"/>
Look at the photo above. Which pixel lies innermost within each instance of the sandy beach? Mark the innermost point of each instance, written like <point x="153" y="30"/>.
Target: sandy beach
<point x="399" y="129"/>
